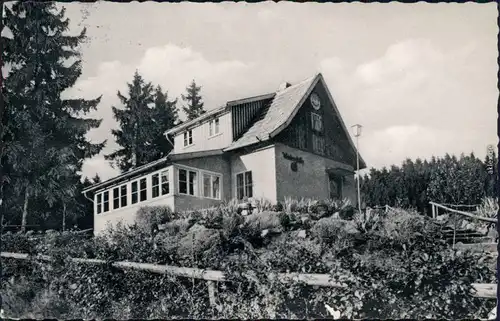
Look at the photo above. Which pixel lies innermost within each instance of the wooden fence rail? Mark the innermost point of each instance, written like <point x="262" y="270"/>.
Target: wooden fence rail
<point x="479" y="218"/>
<point x="211" y="276"/>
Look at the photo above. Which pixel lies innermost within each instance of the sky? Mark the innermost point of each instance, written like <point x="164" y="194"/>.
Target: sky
<point x="420" y="78"/>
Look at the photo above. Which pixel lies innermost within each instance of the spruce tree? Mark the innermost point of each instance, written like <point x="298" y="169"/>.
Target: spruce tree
<point x="193" y="101"/>
<point x="147" y="115"/>
<point x="45" y="134"/>
<point x="165" y="117"/>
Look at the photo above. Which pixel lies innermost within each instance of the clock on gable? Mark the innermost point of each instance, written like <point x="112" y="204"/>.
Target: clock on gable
<point x="315" y="101"/>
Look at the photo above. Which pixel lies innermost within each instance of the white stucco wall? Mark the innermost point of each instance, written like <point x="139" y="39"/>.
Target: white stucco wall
<point x="202" y="140"/>
<point x="262" y="163"/>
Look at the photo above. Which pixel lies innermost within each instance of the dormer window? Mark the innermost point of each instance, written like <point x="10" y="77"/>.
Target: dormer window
<point x="188" y="138"/>
<point x="213" y="127"/>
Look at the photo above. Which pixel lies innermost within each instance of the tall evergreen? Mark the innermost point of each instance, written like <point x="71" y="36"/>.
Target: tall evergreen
<point x="193" y="101"/>
<point x="147" y="114"/>
<point x="45" y="134"/>
<point x="165" y="116"/>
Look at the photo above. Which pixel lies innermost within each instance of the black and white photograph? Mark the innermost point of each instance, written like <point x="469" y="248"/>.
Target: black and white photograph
<point x="249" y="160"/>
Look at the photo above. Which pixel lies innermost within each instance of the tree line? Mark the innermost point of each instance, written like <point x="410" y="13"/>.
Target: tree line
<point x="43" y="136"/>
<point x="463" y="180"/>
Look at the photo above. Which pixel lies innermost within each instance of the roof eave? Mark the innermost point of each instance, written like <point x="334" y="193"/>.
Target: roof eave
<point x="123" y="176"/>
<point x="197" y="120"/>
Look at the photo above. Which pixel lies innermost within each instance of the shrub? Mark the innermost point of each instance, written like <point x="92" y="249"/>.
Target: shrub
<point x="393" y="265"/>
<point x="149" y="217"/>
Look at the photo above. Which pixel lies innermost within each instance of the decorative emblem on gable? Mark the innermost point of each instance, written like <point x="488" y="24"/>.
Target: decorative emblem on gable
<point x="315" y="101"/>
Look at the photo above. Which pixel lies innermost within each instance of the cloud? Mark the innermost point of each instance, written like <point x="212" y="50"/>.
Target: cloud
<point x="98" y="165"/>
<point x="170" y="66"/>
<point x="417" y="99"/>
<point x="394" y="144"/>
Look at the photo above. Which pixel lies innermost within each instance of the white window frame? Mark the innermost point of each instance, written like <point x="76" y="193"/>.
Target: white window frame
<point x="212" y="177"/>
<point x="167" y="171"/>
<point x="153" y="185"/>
<point x="188" y="138"/>
<point x="132" y="193"/>
<point x="195" y="182"/>
<point x="145" y="189"/>
<point x="104" y="202"/>
<point x="117" y="198"/>
<point x="214" y="127"/>
<point x="245" y="184"/>
<point x="124" y="195"/>
<point x="98" y="202"/>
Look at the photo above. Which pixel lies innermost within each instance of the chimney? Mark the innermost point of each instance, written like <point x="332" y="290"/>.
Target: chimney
<point x="284" y="86"/>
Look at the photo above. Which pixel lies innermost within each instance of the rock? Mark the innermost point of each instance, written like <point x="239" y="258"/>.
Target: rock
<point x="198" y="239"/>
<point x="302" y="234"/>
<point x="263" y="220"/>
<point x="177" y="226"/>
<point x="264" y="233"/>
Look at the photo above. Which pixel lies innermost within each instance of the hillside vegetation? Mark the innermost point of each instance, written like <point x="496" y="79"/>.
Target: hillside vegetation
<point x="393" y="265"/>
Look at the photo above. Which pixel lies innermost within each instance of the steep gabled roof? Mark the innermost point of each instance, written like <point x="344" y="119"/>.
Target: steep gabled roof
<point x="280" y="113"/>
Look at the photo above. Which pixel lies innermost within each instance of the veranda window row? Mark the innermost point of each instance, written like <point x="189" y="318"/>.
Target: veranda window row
<point x="136" y="189"/>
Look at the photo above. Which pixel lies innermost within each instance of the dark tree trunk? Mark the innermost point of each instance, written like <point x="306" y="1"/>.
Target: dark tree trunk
<point x="64" y="217"/>
<point x="25" y="210"/>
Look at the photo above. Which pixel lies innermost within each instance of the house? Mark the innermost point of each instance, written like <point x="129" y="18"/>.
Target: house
<point x="291" y="142"/>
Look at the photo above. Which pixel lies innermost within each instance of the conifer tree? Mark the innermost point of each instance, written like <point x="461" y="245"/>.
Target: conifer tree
<point x="193" y="101"/>
<point x="45" y="134"/>
<point x="165" y="117"/>
<point x="147" y="115"/>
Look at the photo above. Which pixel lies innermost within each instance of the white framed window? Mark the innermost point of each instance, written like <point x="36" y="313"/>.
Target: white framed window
<point x="135" y="192"/>
<point x="211" y="186"/>
<point x="105" y="201"/>
<point x="188" y="182"/>
<point x="317" y="122"/>
<point x="143" y="192"/>
<point x="116" y="198"/>
<point x="123" y="195"/>
<point x="99" y="203"/>
<point x="165" y="184"/>
<point x="214" y="127"/>
<point x="155" y="185"/>
<point x="188" y="138"/>
<point x="244" y="185"/>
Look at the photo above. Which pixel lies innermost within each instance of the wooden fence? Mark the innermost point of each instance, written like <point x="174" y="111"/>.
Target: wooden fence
<point x="436" y="206"/>
<point x="211" y="276"/>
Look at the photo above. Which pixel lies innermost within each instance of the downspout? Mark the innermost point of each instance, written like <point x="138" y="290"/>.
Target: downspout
<point x="85" y="194"/>
<point x="168" y="139"/>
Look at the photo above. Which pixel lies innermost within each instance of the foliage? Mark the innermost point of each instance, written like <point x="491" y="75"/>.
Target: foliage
<point x="45" y="135"/>
<point x="488" y="207"/>
<point x="143" y="122"/>
<point x="193" y="101"/>
<point x="463" y="180"/>
<point x="394" y="265"/>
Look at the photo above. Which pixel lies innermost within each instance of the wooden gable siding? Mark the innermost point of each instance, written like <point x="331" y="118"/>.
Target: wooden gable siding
<point x="244" y="115"/>
<point x="299" y="134"/>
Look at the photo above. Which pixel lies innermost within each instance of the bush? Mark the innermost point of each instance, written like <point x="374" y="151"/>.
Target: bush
<point x="149" y="217"/>
<point x="393" y="265"/>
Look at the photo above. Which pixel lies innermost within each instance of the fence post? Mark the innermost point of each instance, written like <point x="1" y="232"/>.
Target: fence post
<point x="211" y="293"/>
<point x="433" y="211"/>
